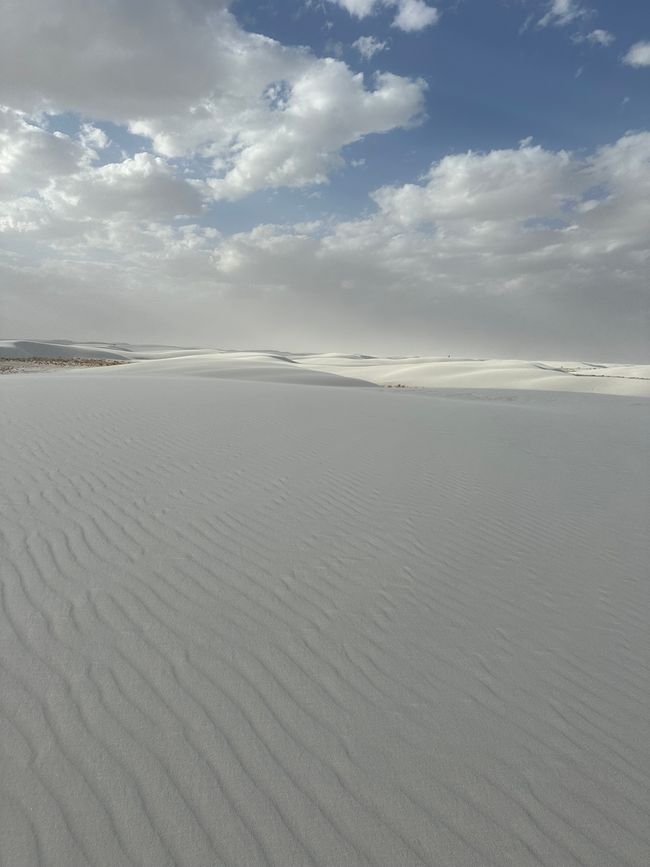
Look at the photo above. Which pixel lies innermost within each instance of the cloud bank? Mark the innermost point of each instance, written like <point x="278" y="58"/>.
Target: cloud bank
<point x="534" y="247"/>
<point x="523" y="250"/>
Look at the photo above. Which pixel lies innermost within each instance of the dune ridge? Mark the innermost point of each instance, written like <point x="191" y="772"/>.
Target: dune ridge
<point x="319" y="369"/>
<point x="243" y="624"/>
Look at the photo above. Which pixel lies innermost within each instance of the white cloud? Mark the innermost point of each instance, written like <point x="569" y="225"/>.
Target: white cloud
<point x="499" y="185"/>
<point x="516" y="251"/>
<point x="53" y="190"/>
<point x="94" y="137"/>
<point x="412" y="15"/>
<point x="600" y="37"/>
<point x="143" y="187"/>
<point x="295" y="140"/>
<point x="368" y="46"/>
<point x="638" y="55"/>
<point x="511" y="242"/>
<point x="114" y="60"/>
<point x="186" y="75"/>
<point x="415" y="15"/>
<point x="360" y="8"/>
<point x="326" y="108"/>
<point x="562" y="12"/>
<point x="32" y="157"/>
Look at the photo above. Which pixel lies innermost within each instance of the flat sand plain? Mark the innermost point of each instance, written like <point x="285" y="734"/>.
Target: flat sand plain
<point x="251" y="617"/>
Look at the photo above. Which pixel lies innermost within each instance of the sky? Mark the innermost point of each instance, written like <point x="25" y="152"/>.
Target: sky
<point x="464" y="177"/>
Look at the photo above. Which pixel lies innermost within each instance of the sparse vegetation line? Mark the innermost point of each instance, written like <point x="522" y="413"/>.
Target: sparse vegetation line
<point x="34" y="363"/>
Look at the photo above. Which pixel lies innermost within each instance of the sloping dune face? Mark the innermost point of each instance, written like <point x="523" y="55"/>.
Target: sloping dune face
<point x="248" y="623"/>
<point x="254" y="367"/>
<point x="470" y="373"/>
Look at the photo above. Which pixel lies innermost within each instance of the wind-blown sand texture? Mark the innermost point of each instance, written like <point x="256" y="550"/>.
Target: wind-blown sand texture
<point x="247" y="621"/>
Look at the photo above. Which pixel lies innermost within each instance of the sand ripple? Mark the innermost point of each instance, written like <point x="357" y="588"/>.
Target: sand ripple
<point x="258" y="624"/>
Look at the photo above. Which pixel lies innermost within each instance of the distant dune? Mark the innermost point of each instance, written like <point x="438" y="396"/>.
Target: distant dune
<point x="416" y="372"/>
<point x="247" y="624"/>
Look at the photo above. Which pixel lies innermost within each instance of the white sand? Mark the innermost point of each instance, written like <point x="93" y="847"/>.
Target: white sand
<point x="245" y="622"/>
<point x="417" y="372"/>
<point x="628" y="379"/>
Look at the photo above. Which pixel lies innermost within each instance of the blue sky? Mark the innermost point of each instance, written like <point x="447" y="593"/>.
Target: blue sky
<point x="362" y="174"/>
<point x="491" y="82"/>
<point x="494" y="77"/>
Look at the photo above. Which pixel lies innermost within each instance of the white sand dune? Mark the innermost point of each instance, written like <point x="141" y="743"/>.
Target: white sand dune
<point x="246" y="366"/>
<point x="417" y="372"/>
<point x="628" y="379"/>
<point x="249" y="623"/>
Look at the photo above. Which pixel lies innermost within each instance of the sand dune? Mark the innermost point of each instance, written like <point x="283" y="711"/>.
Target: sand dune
<point x="417" y="372"/>
<point x="245" y="366"/>
<point x="629" y="379"/>
<point x="249" y="624"/>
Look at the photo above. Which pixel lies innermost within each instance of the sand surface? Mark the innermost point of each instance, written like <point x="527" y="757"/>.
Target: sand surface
<point x="249" y="621"/>
<point x="417" y="372"/>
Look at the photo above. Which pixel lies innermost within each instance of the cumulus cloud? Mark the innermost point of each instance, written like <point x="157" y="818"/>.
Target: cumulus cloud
<point x="523" y="251"/>
<point x="293" y="133"/>
<point x="411" y="15"/>
<point x="499" y="185"/>
<point x="638" y="55"/>
<point x="415" y="15"/>
<point x="359" y="8"/>
<point x="368" y="46"/>
<point x="325" y="109"/>
<point x="184" y="74"/>
<point x="562" y="12"/>
<point x="54" y="191"/>
<point x="32" y="158"/>
<point x="93" y="136"/>
<point x="142" y="187"/>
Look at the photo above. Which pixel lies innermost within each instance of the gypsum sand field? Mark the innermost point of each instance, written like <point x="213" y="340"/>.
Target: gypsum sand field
<point x="249" y="622"/>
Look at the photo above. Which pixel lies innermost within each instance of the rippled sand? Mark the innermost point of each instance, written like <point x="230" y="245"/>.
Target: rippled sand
<point x="252" y="622"/>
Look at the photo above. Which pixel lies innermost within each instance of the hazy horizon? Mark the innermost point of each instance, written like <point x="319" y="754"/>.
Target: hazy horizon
<point x="343" y="349"/>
